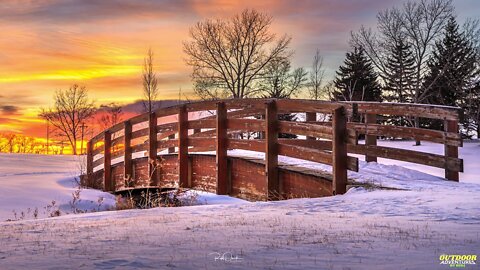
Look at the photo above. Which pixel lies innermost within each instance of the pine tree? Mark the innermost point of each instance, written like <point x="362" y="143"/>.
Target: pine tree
<point x="451" y="68"/>
<point x="356" y="80"/>
<point x="400" y="74"/>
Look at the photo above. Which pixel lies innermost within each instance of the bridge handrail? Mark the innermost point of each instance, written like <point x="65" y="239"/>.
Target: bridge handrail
<point x="220" y="131"/>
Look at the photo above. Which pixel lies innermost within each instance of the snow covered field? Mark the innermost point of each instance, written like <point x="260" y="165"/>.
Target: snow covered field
<point x="407" y="225"/>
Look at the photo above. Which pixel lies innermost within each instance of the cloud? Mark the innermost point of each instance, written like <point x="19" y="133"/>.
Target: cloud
<point x="9" y="109"/>
<point x="90" y="10"/>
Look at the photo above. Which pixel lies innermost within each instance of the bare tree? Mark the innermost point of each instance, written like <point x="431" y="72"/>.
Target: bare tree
<point x="228" y="56"/>
<point x="150" y="87"/>
<point x="111" y="114"/>
<point x="419" y="24"/>
<point x="280" y="82"/>
<point x="72" y="108"/>
<point x="10" y="139"/>
<point x="316" y="77"/>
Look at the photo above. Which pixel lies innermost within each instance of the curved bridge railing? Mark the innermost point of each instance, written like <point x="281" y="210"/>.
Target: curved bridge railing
<point x="159" y="149"/>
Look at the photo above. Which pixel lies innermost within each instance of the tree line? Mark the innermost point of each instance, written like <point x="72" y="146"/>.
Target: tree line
<point x="418" y="53"/>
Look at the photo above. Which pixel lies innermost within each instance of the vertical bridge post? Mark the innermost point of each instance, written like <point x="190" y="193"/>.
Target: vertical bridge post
<point x="370" y="139"/>
<point x="451" y="151"/>
<point x="339" y="151"/>
<point x="271" y="151"/>
<point x="152" y="149"/>
<point x="221" y="147"/>
<point x="171" y="149"/>
<point x="89" y="158"/>
<point x="311" y="117"/>
<point x="127" y="154"/>
<point x="107" y="162"/>
<point x="183" y="146"/>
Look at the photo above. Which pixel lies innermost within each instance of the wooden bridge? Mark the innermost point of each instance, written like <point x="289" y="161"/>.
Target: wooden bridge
<point x="187" y="146"/>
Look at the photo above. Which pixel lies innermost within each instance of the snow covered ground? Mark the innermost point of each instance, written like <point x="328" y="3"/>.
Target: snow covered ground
<point x="407" y="225"/>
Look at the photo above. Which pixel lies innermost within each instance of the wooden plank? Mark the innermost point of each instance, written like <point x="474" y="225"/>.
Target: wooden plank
<point x="221" y="149"/>
<point x="183" y="146"/>
<point x="201" y="123"/>
<point x="167" y="144"/>
<point x="152" y="150"/>
<point x="339" y="151"/>
<point x="252" y="145"/>
<point x="451" y="151"/>
<point x="246" y="124"/>
<point x="239" y="113"/>
<point x="305" y="153"/>
<point x="89" y="158"/>
<point x="306" y="129"/>
<point x="428" y="159"/>
<point x="201" y="142"/>
<point x="140" y="133"/>
<point x="318" y="144"/>
<point x="127" y="152"/>
<point x="107" y="163"/>
<point x="167" y="127"/>
<point x="437" y="136"/>
<point x="117" y="140"/>
<point x="98" y="162"/>
<point x="317" y="151"/>
<point x="271" y="151"/>
<point x="166" y="134"/>
<point x="140" y="147"/>
<point x="311" y="117"/>
<point x="98" y="150"/>
<point x="408" y="109"/>
<point x="139" y="119"/>
<point x="300" y="105"/>
<point x="370" y="139"/>
<point x="202" y="148"/>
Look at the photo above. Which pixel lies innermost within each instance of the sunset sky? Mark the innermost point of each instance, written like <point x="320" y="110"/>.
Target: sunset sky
<point x="47" y="45"/>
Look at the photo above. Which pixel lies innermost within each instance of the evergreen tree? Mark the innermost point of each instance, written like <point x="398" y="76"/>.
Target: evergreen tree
<point x="451" y="68"/>
<point x="400" y="74"/>
<point x="356" y="80"/>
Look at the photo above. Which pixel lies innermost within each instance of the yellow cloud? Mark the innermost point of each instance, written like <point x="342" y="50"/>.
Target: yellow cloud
<point x="80" y="74"/>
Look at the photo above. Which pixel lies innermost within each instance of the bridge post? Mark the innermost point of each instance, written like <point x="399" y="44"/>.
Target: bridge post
<point x="311" y="117"/>
<point x="451" y="151"/>
<point x="171" y="149"/>
<point x="370" y="139"/>
<point x="271" y="150"/>
<point x="221" y="147"/>
<point x="107" y="162"/>
<point x="183" y="146"/>
<point x="152" y="149"/>
<point x="89" y="159"/>
<point x="339" y="151"/>
<point x="127" y="152"/>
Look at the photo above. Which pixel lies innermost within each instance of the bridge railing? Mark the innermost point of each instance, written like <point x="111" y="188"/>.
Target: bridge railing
<point x="253" y="124"/>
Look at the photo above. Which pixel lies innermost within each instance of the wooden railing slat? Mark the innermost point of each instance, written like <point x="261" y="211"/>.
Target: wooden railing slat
<point x="246" y="125"/>
<point x="422" y="158"/>
<point x="306" y="129"/>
